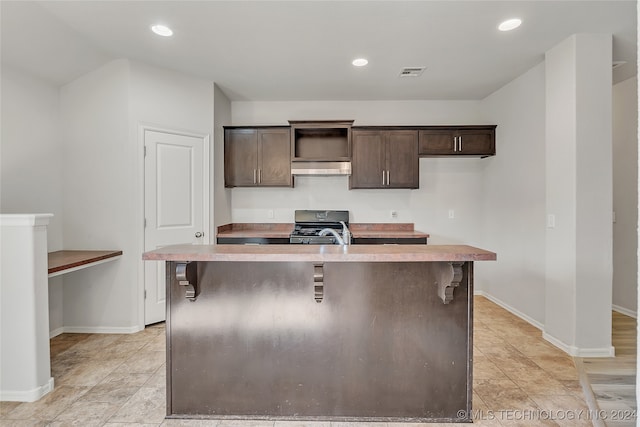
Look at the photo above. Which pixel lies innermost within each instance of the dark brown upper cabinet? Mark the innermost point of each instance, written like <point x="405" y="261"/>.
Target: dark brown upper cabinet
<point x="257" y="157"/>
<point x="320" y="140"/>
<point x="384" y="159"/>
<point x="477" y="141"/>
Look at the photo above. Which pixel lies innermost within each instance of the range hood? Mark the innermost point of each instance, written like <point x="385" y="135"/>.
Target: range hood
<point x="320" y="168"/>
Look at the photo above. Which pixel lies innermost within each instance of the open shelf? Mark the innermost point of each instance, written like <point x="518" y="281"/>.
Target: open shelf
<point x="321" y="141"/>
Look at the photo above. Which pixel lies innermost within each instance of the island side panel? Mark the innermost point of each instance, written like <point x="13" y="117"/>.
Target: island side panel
<point x="380" y="344"/>
<point x="170" y="278"/>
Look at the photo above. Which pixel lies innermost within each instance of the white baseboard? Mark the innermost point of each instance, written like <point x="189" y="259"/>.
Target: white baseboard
<point x="94" y="330"/>
<point x="27" y="396"/>
<point x="56" y="332"/>
<point x="625" y="311"/>
<point x="571" y="350"/>
<point x="510" y="309"/>
<point x="580" y="352"/>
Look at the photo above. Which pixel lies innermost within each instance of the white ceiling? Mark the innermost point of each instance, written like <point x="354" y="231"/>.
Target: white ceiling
<point x="302" y="50"/>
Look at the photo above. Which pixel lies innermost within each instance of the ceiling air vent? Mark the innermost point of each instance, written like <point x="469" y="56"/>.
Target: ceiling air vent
<point x="411" y="71"/>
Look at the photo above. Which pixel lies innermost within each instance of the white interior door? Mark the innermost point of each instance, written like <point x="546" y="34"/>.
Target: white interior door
<point x="174" y="193"/>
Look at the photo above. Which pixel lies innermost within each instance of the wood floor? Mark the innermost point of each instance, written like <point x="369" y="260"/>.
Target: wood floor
<point x="119" y="380"/>
<point x="613" y="379"/>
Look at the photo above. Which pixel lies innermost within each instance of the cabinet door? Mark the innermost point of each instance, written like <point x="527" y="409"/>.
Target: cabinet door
<point x="240" y="157"/>
<point x="477" y="142"/>
<point x="402" y="159"/>
<point x="368" y="161"/>
<point x="436" y="142"/>
<point x="274" y="154"/>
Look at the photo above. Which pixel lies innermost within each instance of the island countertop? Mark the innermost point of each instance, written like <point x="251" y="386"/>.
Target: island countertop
<point x="320" y="253"/>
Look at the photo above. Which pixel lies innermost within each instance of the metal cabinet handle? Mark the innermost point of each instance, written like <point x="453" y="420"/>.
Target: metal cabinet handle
<point x="254" y="176"/>
<point x="455" y="144"/>
<point x="259" y="176"/>
<point x="383" y="178"/>
<point x="388" y="178"/>
<point x="460" y="143"/>
<point x="199" y="234"/>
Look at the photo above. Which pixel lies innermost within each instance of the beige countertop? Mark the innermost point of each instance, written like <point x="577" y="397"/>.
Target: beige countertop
<point x="358" y="230"/>
<point x="320" y="253"/>
<point x="263" y="230"/>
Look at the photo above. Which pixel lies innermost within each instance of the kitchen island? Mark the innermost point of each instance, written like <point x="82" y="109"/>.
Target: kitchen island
<point x="318" y="332"/>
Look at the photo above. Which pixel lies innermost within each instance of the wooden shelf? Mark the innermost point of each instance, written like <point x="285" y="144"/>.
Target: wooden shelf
<point x="61" y="262"/>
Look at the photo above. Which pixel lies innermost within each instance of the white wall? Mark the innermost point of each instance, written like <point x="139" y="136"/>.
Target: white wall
<point x="101" y="115"/>
<point x="444" y="183"/>
<point x="625" y="195"/>
<point x="31" y="169"/>
<point x="513" y="197"/>
<point x="170" y="99"/>
<point x="222" y="196"/>
<point x="579" y="194"/>
<point x="31" y="161"/>
<point x="363" y="112"/>
<point x="24" y="314"/>
<point x="99" y="198"/>
<point x="175" y="102"/>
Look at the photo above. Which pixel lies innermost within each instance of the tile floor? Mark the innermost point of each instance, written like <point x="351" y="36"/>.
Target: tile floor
<point x="119" y="380"/>
<point x="613" y="379"/>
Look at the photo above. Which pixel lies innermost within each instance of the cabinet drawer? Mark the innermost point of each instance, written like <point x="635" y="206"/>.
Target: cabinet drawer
<point x="253" y="240"/>
<point x="390" y="241"/>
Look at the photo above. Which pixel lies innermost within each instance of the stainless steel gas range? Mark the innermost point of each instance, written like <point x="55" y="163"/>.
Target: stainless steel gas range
<point x="310" y="224"/>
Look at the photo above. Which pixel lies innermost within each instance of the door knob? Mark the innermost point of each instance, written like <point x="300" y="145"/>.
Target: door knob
<point x="199" y="234"/>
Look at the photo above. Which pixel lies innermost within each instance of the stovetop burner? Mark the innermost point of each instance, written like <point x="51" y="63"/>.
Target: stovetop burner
<point x="309" y="224"/>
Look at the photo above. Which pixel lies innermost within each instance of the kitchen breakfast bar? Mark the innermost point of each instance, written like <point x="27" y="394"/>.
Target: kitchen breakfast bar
<point x="320" y="332"/>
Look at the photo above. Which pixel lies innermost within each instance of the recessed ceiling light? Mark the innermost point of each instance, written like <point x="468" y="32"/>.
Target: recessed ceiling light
<point x="162" y="30"/>
<point x="510" y="24"/>
<point x="360" y="62"/>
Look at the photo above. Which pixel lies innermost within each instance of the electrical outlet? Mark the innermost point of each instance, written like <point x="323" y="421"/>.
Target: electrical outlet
<point x="270" y="213"/>
<point x="452" y="214"/>
<point x="394" y="214"/>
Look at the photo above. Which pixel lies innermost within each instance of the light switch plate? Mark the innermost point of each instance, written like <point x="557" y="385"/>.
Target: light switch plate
<point x="551" y="221"/>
